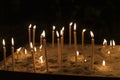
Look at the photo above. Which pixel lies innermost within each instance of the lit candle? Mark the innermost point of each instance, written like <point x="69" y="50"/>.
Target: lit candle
<point x="35" y="49"/>
<point x="110" y="44"/>
<point x="104" y="42"/>
<point x="92" y="56"/>
<point x="75" y="38"/>
<point x="41" y="60"/>
<point x="26" y="53"/>
<point x="59" y="51"/>
<point x="70" y="33"/>
<point x="113" y="42"/>
<point x="53" y="31"/>
<point x="83" y="38"/>
<point x="41" y="38"/>
<point x="34" y="27"/>
<point x="4" y="54"/>
<point x="62" y="34"/>
<point x="33" y="56"/>
<point x="29" y="33"/>
<point x="18" y="51"/>
<point x="13" y="56"/>
<point x="103" y="63"/>
<point x="76" y="58"/>
<point x="40" y="48"/>
<point x="45" y="47"/>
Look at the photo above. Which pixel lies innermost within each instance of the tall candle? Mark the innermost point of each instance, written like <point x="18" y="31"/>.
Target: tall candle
<point x="41" y="38"/>
<point x="62" y="34"/>
<point x="92" y="56"/>
<point x="83" y="38"/>
<point x="70" y="34"/>
<point x="13" y="56"/>
<point x="34" y="27"/>
<point x="53" y="31"/>
<point x="33" y="56"/>
<point x="4" y="54"/>
<point x="59" y="52"/>
<point x="29" y="33"/>
<point x="45" y="47"/>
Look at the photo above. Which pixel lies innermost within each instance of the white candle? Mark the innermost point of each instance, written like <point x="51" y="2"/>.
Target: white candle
<point x="92" y="56"/>
<point x="45" y="47"/>
<point x="29" y="33"/>
<point x="62" y="37"/>
<point x="70" y="33"/>
<point x="83" y="38"/>
<point x="13" y="56"/>
<point x="113" y="42"/>
<point x="61" y="33"/>
<point x="53" y="31"/>
<point x="4" y="54"/>
<point x="34" y="27"/>
<point x="75" y="37"/>
<point x="41" y="38"/>
<point x="103" y="63"/>
<point x="104" y="42"/>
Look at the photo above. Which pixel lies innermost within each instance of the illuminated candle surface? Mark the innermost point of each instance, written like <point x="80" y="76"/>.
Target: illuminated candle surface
<point x="105" y="42"/>
<point x="70" y="33"/>
<point x="75" y="37"/>
<point x="103" y="63"/>
<point x="34" y="27"/>
<point x="29" y="33"/>
<point x="53" y="36"/>
<point x="83" y="38"/>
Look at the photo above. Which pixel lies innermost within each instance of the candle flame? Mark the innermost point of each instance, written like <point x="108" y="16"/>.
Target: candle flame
<point x="63" y="28"/>
<point x="108" y="52"/>
<point x="41" y="59"/>
<point x="43" y="33"/>
<point x="41" y="46"/>
<point x="91" y="33"/>
<point x="104" y="42"/>
<point x="74" y="26"/>
<point x="31" y="45"/>
<point x="85" y="60"/>
<point x="53" y="27"/>
<point x="35" y="49"/>
<point x="57" y="33"/>
<point x="113" y="42"/>
<point x="110" y="42"/>
<point x="71" y="23"/>
<point x="25" y="51"/>
<point x="12" y="40"/>
<point x="3" y="42"/>
<point x="83" y="30"/>
<point x="30" y="26"/>
<point x="18" y="50"/>
<point x="34" y="27"/>
<point x="61" y="32"/>
<point x="77" y="53"/>
<point x="103" y="63"/>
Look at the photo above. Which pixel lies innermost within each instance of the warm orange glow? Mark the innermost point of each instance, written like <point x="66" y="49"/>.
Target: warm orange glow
<point x="53" y="27"/>
<point x="63" y="28"/>
<point x="34" y="27"/>
<point x="61" y="32"/>
<point x="25" y="51"/>
<point x="57" y="33"/>
<point x="43" y="33"/>
<point x="74" y="26"/>
<point x="31" y="45"/>
<point x="104" y="42"/>
<point x="91" y="33"/>
<point x="103" y="63"/>
<point x="83" y="30"/>
<point x="41" y="59"/>
<point x="108" y="52"/>
<point x="77" y="53"/>
<point x="3" y="42"/>
<point x="18" y="50"/>
<point x="12" y="40"/>
<point x="85" y="60"/>
<point x="40" y="47"/>
<point x="71" y="23"/>
<point x="30" y="26"/>
<point x="35" y="49"/>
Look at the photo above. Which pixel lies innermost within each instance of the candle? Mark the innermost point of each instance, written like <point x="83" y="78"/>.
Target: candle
<point x="33" y="56"/>
<point x="45" y="47"/>
<point x="70" y="33"/>
<point x="35" y="49"/>
<point x="110" y="44"/>
<point x="18" y="51"/>
<point x="83" y="38"/>
<point x="75" y="37"/>
<point x="53" y="30"/>
<point x="41" y="38"/>
<point x="92" y="56"/>
<point x="103" y="63"/>
<point x="76" y="57"/>
<point x="26" y="53"/>
<point x="59" y="52"/>
<point x="4" y="54"/>
<point x="104" y="42"/>
<point x="34" y="27"/>
<point x="113" y="42"/>
<point x="41" y="60"/>
<point x="61" y="33"/>
<point x="40" y="48"/>
<point x="13" y="57"/>
<point x="29" y="33"/>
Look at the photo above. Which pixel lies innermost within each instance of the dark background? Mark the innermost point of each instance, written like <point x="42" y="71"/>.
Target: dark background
<point x="100" y="16"/>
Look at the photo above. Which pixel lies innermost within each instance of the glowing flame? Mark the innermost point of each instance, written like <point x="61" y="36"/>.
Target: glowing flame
<point x="35" y="49"/>
<point x="61" y="32"/>
<point x="74" y="26"/>
<point x="43" y="33"/>
<point x="113" y="42"/>
<point x="77" y="53"/>
<point x="30" y="26"/>
<point x="12" y="40"/>
<point x="63" y="28"/>
<point x="104" y="42"/>
<point x="40" y="46"/>
<point x="53" y="27"/>
<point x="25" y="51"/>
<point x="91" y="33"/>
<point x="108" y="52"/>
<point x="83" y="30"/>
<point x="103" y="63"/>
<point x="34" y="27"/>
<point x="3" y="42"/>
<point x="71" y="23"/>
<point x="18" y="50"/>
<point x="41" y="59"/>
<point x="57" y="33"/>
<point x="31" y="45"/>
<point x="110" y="42"/>
<point x="85" y="60"/>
